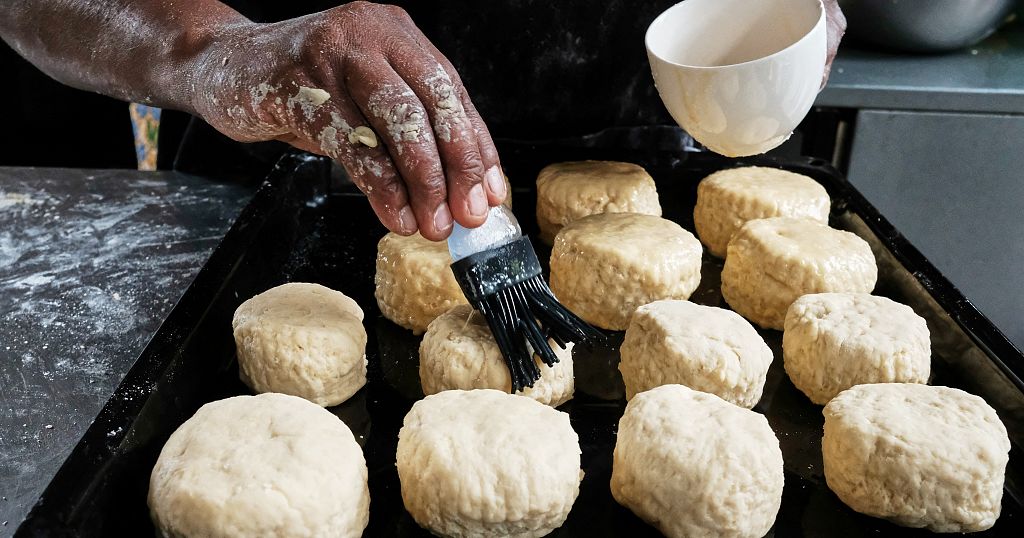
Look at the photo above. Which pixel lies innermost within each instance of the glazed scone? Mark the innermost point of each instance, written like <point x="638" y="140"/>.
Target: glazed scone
<point x="694" y="465"/>
<point x="458" y="351"/>
<point x="414" y="280"/>
<point x="301" y="339"/>
<point x="572" y="190"/>
<point x="727" y="199"/>
<point x="917" y="455"/>
<point x="605" y="266"/>
<point x="266" y="465"/>
<point x="772" y="262"/>
<point x="486" y="463"/>
<point x="833" y="341"/>
<point x="705" y="348"/>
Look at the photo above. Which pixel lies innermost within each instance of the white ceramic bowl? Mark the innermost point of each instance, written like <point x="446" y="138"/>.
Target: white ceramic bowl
<point x="738" y="75"/>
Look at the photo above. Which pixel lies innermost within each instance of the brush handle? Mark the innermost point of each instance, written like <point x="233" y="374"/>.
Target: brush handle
<point x="500" y="228"/>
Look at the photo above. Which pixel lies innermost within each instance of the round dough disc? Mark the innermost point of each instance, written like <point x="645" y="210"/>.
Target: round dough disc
<point x="414" y="280"/>
<point x="459" y="352"/>
<point x="572" y="190"/>
<point x="772" y="262"/>
<point x="727" y="199"/>
<point x="605" y="266"/>
<point x="267" y="465"/>
<point x="693" y="465"/>
<point x="486" y="463"/>
<point x="833" y="341"/>
<point x="920" y="456"/>
<point x="301" y="339"/>
<point x="705" y="348"/>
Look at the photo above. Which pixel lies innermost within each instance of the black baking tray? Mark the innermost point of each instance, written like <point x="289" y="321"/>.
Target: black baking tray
<point x="308" y="224"/>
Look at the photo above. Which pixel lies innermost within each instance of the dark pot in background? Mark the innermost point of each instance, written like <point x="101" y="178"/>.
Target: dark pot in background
<point x="924" y="25"/>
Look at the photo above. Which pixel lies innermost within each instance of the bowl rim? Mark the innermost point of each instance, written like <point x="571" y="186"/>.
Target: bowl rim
<point x="805" y="37"/>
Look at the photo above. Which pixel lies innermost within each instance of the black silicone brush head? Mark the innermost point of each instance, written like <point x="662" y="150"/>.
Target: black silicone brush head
<point x="505" y="285"/>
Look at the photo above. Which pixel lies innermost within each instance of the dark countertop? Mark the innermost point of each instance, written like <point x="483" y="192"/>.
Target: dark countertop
<point x="91" y="262"/>
<point x="988" y="77"/>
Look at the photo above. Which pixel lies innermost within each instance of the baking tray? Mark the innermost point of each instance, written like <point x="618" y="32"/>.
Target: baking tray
<point x="307" y="223"/>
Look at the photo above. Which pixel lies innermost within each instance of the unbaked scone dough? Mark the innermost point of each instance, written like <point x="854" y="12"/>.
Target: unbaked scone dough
<point x="833" y="341"/>
<point x="414" y="280"/>
<point x="694" y="465"/>
<point x="917" y="455"/>
<point x="266" y="465"/>
<point x="301" y="339"/>
<point x="458" y="351"/>
<point x="573" y="190"/>
<point x="605" y="266"/>
<point x="486" y="463"/>
<point x="729" y="198"/>
<point x="772" y="262"/>
<point x="705" y="348"/>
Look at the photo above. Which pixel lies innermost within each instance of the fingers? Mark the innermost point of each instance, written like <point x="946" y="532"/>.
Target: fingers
<point x="494" y="179"/>
<point x="454" y="135"/>
<point x="401" y="123"/>
<point x="339" y="130"/>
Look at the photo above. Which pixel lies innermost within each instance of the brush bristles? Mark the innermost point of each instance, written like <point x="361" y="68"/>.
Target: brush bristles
<point x="522" y="317"/>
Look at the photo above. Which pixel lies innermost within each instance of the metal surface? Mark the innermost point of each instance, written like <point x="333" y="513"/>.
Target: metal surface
<point x="960" y="206"/>
<point x="988" y="77"/>
<point x="293" y="231"/>
<point x="924" y="25"/>
<point x="91" y="262"/>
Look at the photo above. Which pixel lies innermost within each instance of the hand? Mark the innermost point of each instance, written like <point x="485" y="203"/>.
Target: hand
<point x="360" y="84"/>
<point x="835" y="26"/>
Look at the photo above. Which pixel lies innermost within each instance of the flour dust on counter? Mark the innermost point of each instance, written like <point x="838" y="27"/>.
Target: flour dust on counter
<point x="91" y="262"/>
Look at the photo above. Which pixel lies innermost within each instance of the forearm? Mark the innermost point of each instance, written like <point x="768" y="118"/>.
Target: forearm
<point x="137" y="51"/>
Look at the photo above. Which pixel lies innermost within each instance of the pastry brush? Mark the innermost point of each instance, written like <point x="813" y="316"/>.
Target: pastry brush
<point x="498" y="271"/>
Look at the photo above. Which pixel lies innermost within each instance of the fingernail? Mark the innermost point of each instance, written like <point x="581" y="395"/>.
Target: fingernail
<point x="442" y="218"/>
<point x="495" y="181"/>
<point x="477" y="201"/>
<point x="407" y="220"/>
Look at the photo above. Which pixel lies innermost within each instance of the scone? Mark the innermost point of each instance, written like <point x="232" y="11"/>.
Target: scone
<point x="833" y="341"/>
<point x="267" y="465"/>
<point x="572" y="190"/>
<point x="772" y="262"/>
<point x="301" y="339"/>
<point x="414" y="280"/>
<point x="694" y="465"/>
<point x="604" y="266"/>
<point x="919" y="456"/>
<point x="486" y="463"/>
<point x="458" y="351"/>
<point x="705" y="348"/>
<point x="727" y="199"/>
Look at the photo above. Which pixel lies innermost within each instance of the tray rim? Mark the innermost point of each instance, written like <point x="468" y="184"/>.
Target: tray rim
<point x="117" y="414"/>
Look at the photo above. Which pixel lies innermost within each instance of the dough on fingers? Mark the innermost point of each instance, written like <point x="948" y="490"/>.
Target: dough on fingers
<point x="266" y="465"/>
<point x="570" y="191"/>
<point x="705" y="348"/>
<point x="458" y="351"/>
<point x="301" y="339"/>
<point x="772" y="262"/>
<point x="414" y="282"/>
<point x="485" y="463"/>
<point x="728" y="199"/>
<point x="833" y="341"/>
<point x="917" y="455"/>
<point x="605" y="266"/>
<point x="694" y="465"/>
